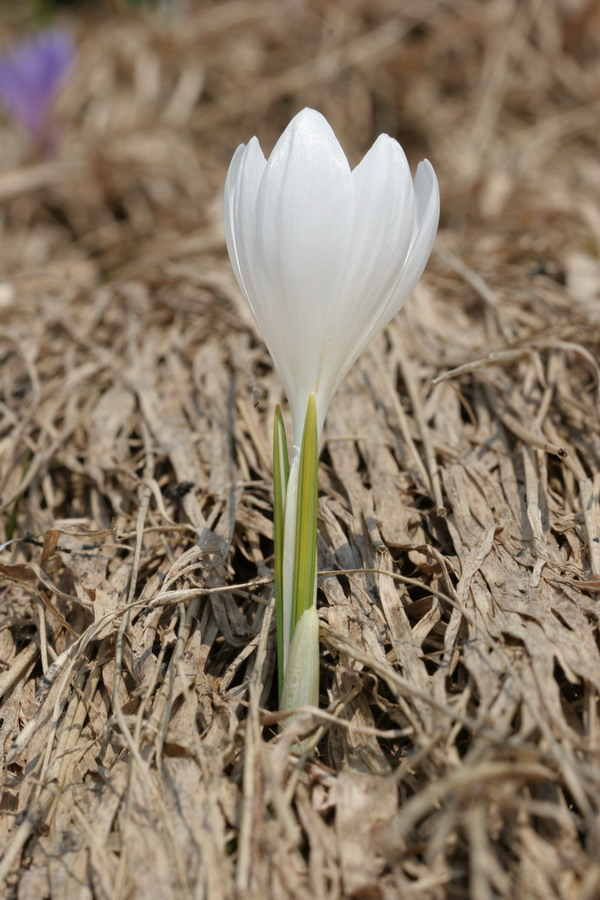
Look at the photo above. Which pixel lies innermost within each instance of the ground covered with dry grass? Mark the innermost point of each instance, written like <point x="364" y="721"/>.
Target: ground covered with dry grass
<point x="456" y="750"/>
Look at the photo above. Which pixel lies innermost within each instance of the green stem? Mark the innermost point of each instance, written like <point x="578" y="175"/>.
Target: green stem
<point x="289" y="547"/>
<point x="299" y="571"/>
<point x="305" y="556"/>
<point x="281" y="471"/>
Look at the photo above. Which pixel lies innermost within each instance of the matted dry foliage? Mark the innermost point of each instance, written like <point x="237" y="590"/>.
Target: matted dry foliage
<point x="457" y="750"/>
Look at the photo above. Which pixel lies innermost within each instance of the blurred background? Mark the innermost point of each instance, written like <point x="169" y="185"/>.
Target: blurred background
<point x="501" y="95"/>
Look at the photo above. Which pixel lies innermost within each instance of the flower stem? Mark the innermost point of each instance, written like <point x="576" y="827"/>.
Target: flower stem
<point x="305" y="555"/>
<point x="288" y="556"/>
<point x="281" y="471"/>
<point x="296" y="565"/>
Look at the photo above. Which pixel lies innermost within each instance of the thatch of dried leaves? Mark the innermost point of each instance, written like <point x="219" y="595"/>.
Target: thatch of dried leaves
<point x="456" y="751"/>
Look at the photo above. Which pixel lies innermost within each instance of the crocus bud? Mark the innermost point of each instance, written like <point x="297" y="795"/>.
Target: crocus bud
<point x="325" y="255"/>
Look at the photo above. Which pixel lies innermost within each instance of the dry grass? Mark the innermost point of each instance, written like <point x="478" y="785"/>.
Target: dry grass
<point x="456" y="753"/>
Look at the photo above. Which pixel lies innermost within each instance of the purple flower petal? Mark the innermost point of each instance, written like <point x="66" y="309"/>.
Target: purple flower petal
<point x="31" y="74"/>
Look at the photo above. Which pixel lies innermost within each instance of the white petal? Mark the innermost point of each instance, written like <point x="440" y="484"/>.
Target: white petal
<point x="384" y="222"/>
<point x="383" y="231"/>
<point x="305" y="215"/>
<point x="427" y="209"/>
<point x="427" y="197"/>
<point x="252" y="165"/>
<point x="229" y="192"/>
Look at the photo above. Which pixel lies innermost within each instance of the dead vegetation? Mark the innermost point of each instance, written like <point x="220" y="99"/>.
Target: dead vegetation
<point x="456" y="752"/>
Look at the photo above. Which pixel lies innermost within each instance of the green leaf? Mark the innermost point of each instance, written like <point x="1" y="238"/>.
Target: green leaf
<point x="281" y="470"/>
<point x="305" y="556"/>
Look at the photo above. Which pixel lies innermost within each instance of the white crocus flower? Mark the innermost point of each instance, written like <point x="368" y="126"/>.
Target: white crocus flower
<point x="325" y="255"/>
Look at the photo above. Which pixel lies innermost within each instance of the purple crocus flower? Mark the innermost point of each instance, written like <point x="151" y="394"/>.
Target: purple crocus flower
<point x="31" y="74"/>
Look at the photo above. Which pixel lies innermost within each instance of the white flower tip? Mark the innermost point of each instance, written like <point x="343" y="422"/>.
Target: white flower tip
<point x="385" y="160"/>
<point x="309" y="116"/>
<point x="311" y="129"/>
<point x="253" y="154"/>
<point x="251" y="151"/>
<point x="236" y="158"/>
<point x="426" y="179"/>
<point x="253" y="145"/>
<point x="427" y="192"/>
